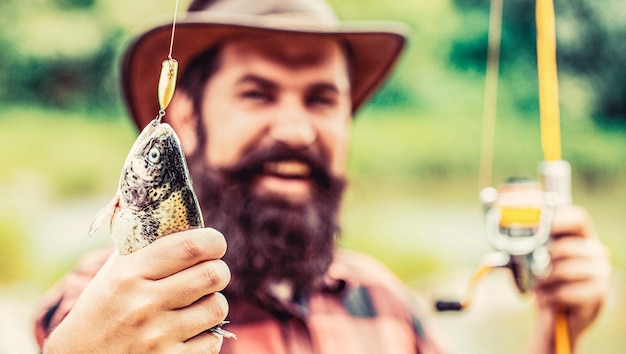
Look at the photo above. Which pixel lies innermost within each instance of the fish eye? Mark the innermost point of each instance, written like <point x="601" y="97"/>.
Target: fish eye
<point x="154" y="155"/>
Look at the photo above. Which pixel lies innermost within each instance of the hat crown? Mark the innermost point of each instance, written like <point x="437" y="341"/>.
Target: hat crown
<point x="313" y="10"/>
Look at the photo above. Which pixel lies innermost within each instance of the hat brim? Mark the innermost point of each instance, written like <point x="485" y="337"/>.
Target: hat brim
<point x="375" y="48"/>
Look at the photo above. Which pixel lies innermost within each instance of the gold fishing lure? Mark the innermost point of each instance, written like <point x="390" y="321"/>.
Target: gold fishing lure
<point x="167" y="82"/>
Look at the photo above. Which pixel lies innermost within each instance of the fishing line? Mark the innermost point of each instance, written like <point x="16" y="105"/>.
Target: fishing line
<point x="490" y="100"/>
<point x="169" y="56"/>
<point x="169" y="71"/>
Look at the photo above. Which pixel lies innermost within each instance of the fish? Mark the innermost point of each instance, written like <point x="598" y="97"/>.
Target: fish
<point x="155" y="196"/>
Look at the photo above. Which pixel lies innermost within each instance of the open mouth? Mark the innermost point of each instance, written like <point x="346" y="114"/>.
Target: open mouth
<point x="288" y="169"/>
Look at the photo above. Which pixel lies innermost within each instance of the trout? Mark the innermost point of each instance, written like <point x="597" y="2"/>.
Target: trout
<point x="155" y="196"/>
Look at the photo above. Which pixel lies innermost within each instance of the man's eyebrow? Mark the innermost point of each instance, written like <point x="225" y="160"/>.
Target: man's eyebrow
<point x="324" y="87"/>
<point x="255" y="79"/>
<point x="269" y="84"/>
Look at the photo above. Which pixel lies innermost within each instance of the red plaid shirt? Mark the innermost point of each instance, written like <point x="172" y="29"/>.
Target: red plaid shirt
<point x="364" y="309"/>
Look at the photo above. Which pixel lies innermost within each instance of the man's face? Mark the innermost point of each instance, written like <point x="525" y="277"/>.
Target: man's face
<point x="291" y="91"/>
<point x="270" y="170"/>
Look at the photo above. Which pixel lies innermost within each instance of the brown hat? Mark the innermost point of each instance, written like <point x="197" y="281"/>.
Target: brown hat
<point x="375" y="46"/>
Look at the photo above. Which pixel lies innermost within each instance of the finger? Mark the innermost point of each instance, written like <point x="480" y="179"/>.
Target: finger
<point x="200" y="316"/>
<point x="575" y="270"/>
<point x="581" y="300"/>
<point x="572" y="221"/>
<point x="576" y="294"/>
<point x="576" y="258"/>
<point x="576" y="247"/>
<point x="173" y="253"/>
<point x="205" y="342"/>
<point x="187" y="286"/>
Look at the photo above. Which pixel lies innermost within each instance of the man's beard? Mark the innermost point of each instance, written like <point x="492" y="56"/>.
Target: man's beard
<point x="271" y="240"/>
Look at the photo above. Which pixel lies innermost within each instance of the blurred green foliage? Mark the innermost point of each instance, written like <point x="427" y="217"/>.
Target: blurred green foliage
<point x="64" y="134"/>
<point x="64" y="53"/>
<point x="591" y="52"/>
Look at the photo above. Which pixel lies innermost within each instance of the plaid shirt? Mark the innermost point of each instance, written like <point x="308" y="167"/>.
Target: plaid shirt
<point x="362" y="309"/>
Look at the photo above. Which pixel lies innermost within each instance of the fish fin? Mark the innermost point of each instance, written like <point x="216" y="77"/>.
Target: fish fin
<point x="108" y="211"/>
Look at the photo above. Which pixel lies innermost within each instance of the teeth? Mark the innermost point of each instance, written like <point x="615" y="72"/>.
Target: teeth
<point x="290" y="168"/>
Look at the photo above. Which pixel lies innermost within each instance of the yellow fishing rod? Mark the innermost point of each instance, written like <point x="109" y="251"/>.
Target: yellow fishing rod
<point x="518" y="216"/>
<point x="555" y="172"/>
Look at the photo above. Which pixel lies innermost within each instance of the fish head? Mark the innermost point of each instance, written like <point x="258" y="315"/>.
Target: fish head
<point x="154" y="167"/>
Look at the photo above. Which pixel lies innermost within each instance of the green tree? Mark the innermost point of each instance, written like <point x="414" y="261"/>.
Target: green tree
<point x="57" y="54"/>
<point x="590" y="48"/>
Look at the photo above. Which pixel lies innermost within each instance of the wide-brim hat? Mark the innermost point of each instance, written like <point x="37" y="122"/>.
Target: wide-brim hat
<point x="374" y="46"/>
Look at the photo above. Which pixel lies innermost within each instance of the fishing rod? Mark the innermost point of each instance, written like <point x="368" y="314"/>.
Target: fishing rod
<point x="518" y="215"/>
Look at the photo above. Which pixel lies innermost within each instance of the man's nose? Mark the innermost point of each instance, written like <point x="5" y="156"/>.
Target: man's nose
<point x="293" y="126"/>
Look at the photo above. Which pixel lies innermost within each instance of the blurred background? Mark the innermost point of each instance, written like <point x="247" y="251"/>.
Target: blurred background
<point x="412" y="200"/>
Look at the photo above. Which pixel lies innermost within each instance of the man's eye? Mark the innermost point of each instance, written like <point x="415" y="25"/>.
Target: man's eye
<point x="256" y="95"/>
<point x="321" y="101"/>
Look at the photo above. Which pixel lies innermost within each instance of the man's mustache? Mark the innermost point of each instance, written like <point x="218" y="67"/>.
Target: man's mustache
<point x="254" y="159"/>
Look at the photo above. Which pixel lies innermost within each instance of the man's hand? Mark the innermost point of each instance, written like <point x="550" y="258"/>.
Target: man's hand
<point x="577" y="282"/>
<point x="160" y="299"/>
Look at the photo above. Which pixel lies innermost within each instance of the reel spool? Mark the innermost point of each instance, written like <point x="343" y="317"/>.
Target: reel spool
<point x="518" y="217"/>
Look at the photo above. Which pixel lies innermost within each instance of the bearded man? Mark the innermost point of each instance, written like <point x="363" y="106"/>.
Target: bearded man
<point x="264" y="109"/>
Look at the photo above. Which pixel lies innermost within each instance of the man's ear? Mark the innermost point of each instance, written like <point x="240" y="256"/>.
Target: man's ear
<point x="183" y="118"/>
